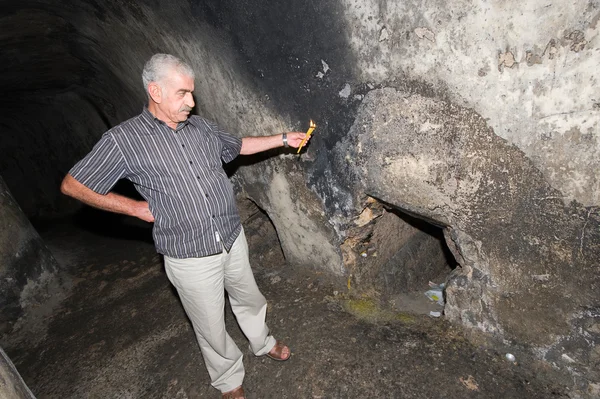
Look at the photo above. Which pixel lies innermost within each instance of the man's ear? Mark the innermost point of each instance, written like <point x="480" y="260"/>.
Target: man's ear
<point x="155" y="92"/>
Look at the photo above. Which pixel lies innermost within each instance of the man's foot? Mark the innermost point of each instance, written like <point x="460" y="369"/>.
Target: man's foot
<point x="237" y="393"/>
<point x="280" y="352"/>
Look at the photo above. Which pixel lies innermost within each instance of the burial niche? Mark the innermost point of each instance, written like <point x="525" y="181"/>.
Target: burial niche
<point x="398" y="257"/>
<point x="266" y="251"/>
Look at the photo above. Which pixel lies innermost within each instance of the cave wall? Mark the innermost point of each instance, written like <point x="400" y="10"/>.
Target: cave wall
<point x="524" y="72"/>
<point x="57" y="100"/>
<point x="529" y="68"/>
<point x="264" y="68"/>
<point x="11" y="383"/>
<point x="28" y="271"/>
<point x="527" y="259"/>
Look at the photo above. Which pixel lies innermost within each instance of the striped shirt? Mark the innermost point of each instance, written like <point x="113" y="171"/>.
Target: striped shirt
<point x="179" y="172"/>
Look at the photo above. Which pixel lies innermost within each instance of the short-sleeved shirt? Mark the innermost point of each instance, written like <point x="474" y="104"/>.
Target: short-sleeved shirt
<point x="179" y="172"/>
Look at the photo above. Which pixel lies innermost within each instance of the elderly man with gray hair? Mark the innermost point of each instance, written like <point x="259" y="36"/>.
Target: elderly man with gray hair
<point x="175" y="160"/>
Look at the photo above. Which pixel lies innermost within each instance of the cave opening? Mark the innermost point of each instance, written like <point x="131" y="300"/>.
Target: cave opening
<point x="266" y="251"/>
<point x="401" y="258"/>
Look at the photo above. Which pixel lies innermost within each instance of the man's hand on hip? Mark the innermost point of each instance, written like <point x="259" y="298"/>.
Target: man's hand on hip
<point x="111" y="202"/>
<point x="142" y="211"/>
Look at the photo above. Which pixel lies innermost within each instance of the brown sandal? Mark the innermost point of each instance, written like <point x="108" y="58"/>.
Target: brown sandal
<point x="277" y="352"/>
<point x="237" y="393"/>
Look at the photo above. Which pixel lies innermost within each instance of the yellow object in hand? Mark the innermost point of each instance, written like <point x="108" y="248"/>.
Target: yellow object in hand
<point x="311" y="127"/>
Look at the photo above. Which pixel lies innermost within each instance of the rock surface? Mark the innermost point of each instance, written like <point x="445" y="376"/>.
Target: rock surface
<point x="527" y="259"/>
<point x="501" y="118"/>
<point x="11" y="384"/>
<point x="28" y="271"/>
<point x="123" y="333"/>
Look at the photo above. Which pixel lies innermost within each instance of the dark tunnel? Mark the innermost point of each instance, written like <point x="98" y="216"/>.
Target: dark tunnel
<point x="448" y="158"/>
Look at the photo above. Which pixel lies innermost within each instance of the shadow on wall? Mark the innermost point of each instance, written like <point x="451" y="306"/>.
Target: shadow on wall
<point x="114" y="225"/>
<point x="297" y="53"/>
<point x="106" y="223"/>
<point x="255" y="159"/>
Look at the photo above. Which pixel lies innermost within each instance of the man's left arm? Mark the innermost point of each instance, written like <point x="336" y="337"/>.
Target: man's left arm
<point x="253" y="144"/>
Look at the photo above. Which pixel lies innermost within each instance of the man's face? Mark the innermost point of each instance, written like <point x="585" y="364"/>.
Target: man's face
<point x="177" y="100"/>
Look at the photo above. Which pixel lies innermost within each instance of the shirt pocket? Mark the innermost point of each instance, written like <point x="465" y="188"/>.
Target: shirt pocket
<point x="208" y="152"/>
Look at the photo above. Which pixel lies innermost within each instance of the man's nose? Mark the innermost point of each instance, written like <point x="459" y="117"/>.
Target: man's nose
<point x="190" y="100"/>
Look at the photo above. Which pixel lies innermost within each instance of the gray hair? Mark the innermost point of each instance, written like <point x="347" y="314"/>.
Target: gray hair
<point x="158" y="67"/>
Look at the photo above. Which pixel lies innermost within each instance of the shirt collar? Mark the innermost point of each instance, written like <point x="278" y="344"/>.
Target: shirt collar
<point x="152" y="121"/>
<point x="148" y="118"/>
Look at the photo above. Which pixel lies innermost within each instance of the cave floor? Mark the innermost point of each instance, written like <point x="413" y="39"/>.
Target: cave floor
<point x="122" y="333"/>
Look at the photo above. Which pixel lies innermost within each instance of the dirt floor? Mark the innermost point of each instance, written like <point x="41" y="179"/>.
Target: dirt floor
<point x="122" y="333"/>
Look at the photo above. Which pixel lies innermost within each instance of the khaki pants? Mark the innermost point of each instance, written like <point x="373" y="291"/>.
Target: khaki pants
<point x="200" y="283"/>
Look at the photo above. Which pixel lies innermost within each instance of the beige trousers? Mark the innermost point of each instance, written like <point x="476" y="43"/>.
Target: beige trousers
<point x="201" y="283"/>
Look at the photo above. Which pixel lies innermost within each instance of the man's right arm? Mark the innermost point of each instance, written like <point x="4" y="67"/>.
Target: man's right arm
<point x="110" y="202"/>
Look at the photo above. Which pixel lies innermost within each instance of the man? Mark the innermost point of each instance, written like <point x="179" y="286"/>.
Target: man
<point x="175" y="162"/>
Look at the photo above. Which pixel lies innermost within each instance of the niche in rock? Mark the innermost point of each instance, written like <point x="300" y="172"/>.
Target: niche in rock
<point x="263" y="241"/>
<point x="397" y="257"/>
